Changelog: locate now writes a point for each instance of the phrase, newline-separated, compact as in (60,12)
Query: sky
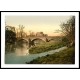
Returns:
(46,24)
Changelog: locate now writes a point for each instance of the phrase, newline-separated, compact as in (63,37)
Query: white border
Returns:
(3,14)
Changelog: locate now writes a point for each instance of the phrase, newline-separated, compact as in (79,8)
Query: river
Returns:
(21,55)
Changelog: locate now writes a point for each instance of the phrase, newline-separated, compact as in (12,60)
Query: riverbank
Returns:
(13,58)
(66,56)
(46,47)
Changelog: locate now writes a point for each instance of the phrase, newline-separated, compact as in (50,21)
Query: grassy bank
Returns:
(46,47)
(66,56)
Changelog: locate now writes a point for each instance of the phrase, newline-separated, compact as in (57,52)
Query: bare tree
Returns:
(21,27)
(68,29)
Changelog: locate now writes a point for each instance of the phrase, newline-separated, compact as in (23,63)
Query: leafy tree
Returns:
(10,36)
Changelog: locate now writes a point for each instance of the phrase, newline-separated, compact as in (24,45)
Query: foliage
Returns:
(10,36)
(68,29)
(46,47)
(66,56)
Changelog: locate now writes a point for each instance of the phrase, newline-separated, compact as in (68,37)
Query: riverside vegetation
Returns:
(46,47)
(66,56)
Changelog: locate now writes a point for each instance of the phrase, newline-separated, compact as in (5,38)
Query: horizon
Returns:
(46,24)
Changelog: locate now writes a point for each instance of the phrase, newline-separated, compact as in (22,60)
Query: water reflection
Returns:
(9,48)
(20,49)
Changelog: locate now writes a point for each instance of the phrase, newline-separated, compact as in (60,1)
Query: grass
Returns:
(66,56)
(46,47)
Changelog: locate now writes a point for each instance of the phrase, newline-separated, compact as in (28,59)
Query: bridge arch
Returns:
(24,40)
(33,42)
(51,40)
(38,39)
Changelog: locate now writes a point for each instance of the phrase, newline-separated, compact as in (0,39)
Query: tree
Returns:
(68,29)
(10,36)
(32,34)
(21,27)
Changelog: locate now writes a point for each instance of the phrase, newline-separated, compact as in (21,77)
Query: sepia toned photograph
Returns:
(39,39)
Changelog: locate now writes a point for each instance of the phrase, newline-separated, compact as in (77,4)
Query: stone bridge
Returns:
(31,40)
(27,39)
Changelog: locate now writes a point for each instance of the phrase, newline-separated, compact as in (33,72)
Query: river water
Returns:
(21,54)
